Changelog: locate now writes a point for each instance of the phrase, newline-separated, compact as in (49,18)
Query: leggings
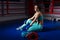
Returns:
(35,27)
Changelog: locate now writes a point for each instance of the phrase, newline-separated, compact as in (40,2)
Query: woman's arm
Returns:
(32,18)
(36,16)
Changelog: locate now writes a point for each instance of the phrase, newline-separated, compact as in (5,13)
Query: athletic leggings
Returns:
(35,27)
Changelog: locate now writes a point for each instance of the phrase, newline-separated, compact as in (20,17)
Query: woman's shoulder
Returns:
(40,13)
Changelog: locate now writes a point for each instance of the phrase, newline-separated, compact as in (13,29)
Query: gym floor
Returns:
(8,30)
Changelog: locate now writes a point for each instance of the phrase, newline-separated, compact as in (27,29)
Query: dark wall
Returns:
(10,0)
(30,8)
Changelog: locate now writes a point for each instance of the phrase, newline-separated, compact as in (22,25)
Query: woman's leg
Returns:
(35,27)
(24,33)
(24,25)
(31,29)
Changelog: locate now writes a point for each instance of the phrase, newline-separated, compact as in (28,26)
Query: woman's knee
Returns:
(23,34)
(29,21)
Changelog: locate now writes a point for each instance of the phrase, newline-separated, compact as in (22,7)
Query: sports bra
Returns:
(40,18)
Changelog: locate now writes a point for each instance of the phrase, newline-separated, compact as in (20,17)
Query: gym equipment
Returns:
(32,36)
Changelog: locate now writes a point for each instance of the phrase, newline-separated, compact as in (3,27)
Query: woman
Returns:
(35,22)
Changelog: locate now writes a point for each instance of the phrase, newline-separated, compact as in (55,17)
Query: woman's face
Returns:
(35,8)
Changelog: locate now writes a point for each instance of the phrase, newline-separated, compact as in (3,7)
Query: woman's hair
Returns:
(38,6)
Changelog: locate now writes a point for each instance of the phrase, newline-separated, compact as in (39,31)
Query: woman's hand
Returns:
(31,24)
(29,18)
